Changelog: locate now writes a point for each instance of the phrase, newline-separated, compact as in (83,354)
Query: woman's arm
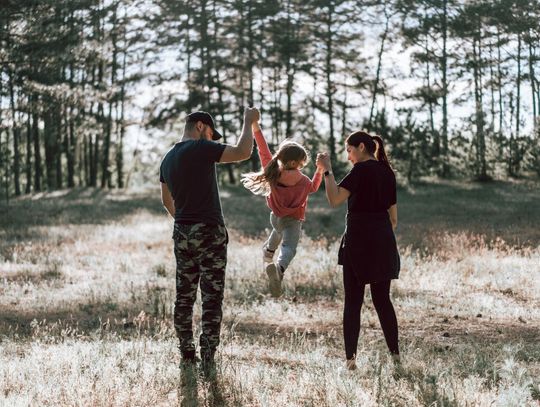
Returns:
(335,194)
(392,212)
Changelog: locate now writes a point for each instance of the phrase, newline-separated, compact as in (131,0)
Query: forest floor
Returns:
(87,289)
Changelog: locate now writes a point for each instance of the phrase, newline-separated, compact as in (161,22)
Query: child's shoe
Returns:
(275,276)
(268,255)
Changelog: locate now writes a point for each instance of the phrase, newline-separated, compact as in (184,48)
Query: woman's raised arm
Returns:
(335,194)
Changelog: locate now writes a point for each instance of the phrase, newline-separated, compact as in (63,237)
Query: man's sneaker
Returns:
(275,276)
(208,364)
(268,255)
(187,358)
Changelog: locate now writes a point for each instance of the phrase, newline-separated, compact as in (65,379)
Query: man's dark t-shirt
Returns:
(189,170)
(372,185)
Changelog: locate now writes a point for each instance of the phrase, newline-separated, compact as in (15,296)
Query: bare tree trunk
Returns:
(492,87)
(16,134)
(28,166)
(379,67)
(37,151)
(500,76)
(436,144)
(518,85)
(290,73)
(329,82)
(70,149)
(480,137)
(57,125)
(445,170)
(87,159)
(121,124)
(532,79)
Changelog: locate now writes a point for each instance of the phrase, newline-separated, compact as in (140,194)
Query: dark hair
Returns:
(374,145)
(261,182)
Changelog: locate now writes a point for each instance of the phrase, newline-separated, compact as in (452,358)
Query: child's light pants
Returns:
(286,231)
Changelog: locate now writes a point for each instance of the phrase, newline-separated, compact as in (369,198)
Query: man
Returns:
(189,192)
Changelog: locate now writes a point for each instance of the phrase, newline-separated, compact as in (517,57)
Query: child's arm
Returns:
(317,179)
(264,152)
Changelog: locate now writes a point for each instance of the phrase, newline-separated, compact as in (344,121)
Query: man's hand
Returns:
(243,148)
(251,115)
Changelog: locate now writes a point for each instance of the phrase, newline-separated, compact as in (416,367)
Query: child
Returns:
(286,189)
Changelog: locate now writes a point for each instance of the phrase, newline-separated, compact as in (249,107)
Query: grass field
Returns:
(87,288)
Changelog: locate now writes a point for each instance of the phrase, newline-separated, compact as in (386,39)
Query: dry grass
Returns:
(86,302)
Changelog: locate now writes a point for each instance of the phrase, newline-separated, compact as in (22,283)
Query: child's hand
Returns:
(255,126)
(323,162)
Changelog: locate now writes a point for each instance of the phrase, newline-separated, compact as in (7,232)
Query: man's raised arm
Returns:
(242,150)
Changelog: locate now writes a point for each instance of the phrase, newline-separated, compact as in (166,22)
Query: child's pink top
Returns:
(290,196)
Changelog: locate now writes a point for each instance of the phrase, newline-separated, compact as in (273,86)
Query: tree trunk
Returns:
(499,77)
(532,79)
(518,86)
(49,141)
(379,67)
(221,104)
(28,166)
(70,149)
(445,170)
(436,144)
(58,145)
(492,87)
(480,137)
(329,82)
(16,135)
(290,73)
(121,125)
(37,151)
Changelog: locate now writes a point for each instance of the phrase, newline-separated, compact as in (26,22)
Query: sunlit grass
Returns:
(86,308)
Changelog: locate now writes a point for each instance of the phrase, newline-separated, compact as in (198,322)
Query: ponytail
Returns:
(260,182)
(380,154)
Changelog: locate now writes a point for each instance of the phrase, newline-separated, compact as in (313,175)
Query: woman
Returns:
(368,250)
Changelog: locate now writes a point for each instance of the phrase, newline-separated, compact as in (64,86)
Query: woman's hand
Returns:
(334,193)
(323,162)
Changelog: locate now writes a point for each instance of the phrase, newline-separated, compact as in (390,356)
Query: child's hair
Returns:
(260,183)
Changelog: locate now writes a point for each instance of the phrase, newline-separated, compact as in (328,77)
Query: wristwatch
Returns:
(327,173)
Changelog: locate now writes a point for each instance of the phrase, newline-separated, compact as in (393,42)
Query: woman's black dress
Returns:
(368,246)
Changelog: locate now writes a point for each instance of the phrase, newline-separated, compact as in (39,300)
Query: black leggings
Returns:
(354,298)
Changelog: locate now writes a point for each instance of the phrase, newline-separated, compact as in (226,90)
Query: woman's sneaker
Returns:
(350,364)
(268,255)
(275,276)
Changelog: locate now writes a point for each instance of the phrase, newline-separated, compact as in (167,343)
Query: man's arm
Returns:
(167,199)
(242,150)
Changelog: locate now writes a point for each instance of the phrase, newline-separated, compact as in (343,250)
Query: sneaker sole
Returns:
(273,280)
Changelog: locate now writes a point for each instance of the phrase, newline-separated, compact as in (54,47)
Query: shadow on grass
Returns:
(508,210)
(76,206)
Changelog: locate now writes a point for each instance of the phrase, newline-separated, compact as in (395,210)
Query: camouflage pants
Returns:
(201,255)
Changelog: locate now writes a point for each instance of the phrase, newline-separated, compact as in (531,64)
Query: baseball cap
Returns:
(205,118)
